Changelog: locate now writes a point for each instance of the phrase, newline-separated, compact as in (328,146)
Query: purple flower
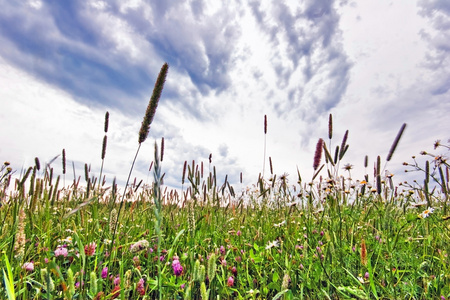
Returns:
(182,286)
(230,281)
(28,266)
(140,287)
(105,272)
(238,233)
(116,280)
(89,250)
(366,275)
(177,268)
(222,250)
(61,251)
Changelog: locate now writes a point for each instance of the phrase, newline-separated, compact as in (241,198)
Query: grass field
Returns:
(325,237)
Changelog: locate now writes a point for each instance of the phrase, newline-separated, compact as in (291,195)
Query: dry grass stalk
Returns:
(363,253)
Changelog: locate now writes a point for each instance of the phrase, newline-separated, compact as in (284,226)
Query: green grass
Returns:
(274,240)
(327,238)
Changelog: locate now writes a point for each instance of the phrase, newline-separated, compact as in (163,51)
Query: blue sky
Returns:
(373,65)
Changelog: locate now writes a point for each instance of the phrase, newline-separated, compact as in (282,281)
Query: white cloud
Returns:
(229,66)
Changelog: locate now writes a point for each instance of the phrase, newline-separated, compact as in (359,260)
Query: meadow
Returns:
(325,237)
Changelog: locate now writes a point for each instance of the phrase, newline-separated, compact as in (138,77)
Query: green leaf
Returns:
(372,283)
(9,280)
(275,277)
(278,296)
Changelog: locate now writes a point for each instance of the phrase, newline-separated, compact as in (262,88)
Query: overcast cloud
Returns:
(373,65)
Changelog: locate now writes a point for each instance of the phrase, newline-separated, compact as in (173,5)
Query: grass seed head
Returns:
(318,154)
(153,103)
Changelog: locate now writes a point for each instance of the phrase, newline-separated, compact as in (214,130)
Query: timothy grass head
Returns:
(153,103)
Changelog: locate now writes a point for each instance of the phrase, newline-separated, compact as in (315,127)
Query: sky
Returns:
(373,65)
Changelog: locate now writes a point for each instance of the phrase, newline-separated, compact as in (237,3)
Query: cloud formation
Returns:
(231,63)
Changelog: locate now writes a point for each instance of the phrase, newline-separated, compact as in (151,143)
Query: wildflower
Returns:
(366,275)
(28,266)
(105,272)
(272,244)
(230,281)
(89,250)
(222,250)
(67,240)
(116,280)
(426,213)
(234,271)
(437,143)
(115,292)
(177,267)
(138,246)
(348,167)
(136,261)
(61,251)
(238,233)
(280,224)
(140,287)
